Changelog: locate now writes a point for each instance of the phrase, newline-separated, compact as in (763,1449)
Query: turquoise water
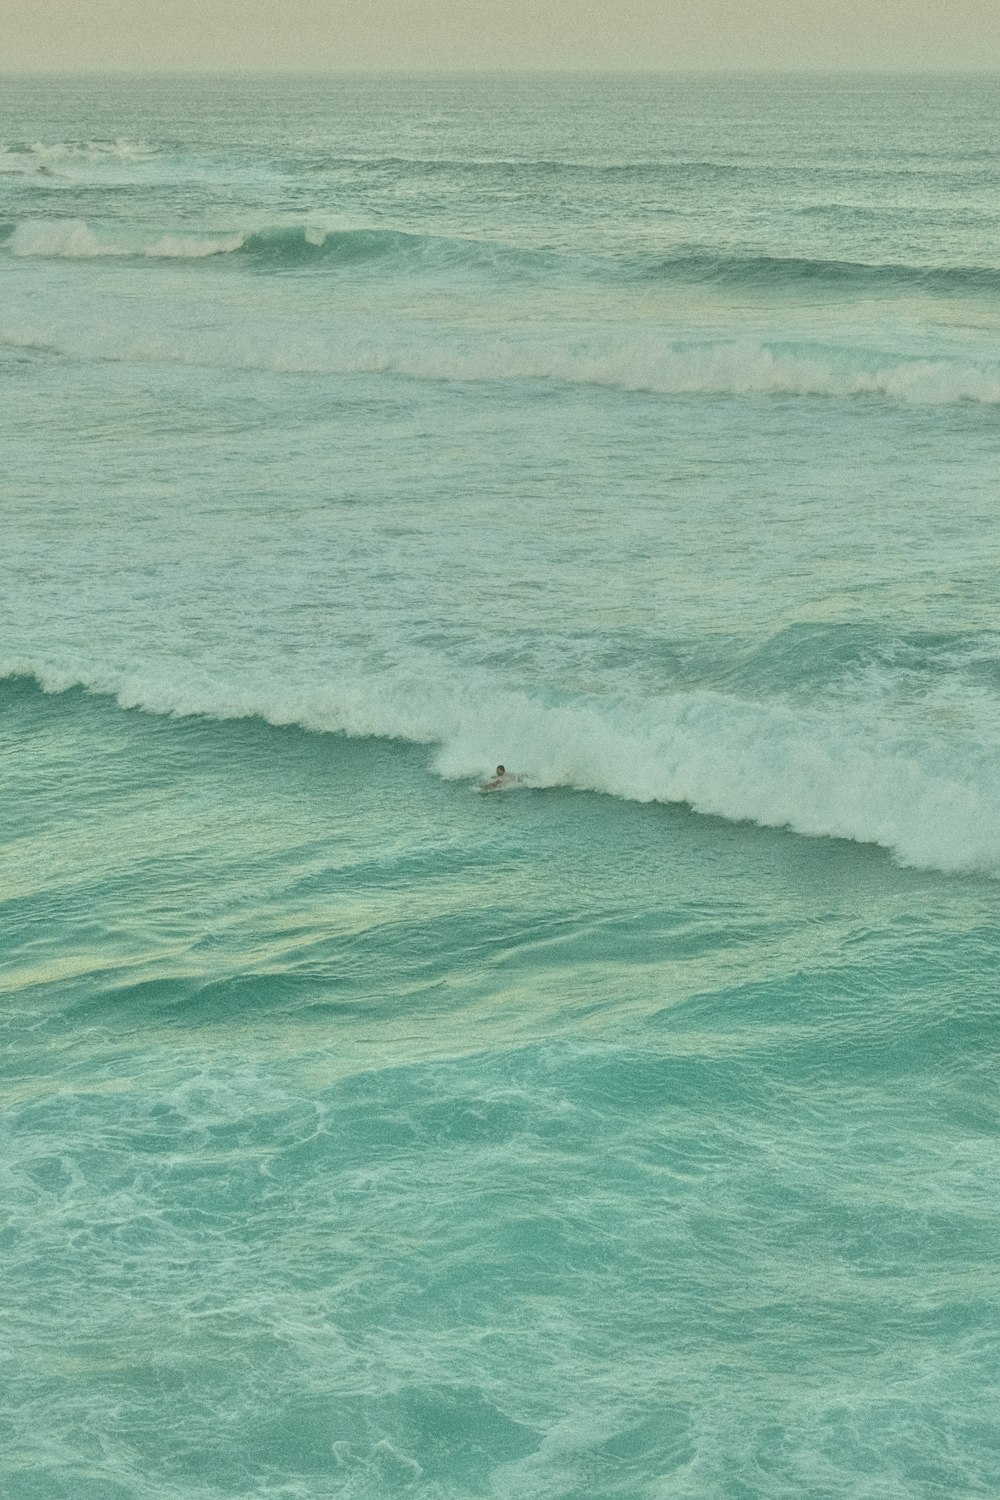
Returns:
(629,1134)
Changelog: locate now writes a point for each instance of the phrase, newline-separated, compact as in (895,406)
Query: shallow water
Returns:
(629,1134)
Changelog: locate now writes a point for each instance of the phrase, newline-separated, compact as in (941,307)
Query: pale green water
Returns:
(633,1135)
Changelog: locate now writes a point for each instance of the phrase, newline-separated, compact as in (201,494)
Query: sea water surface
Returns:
(628,1136)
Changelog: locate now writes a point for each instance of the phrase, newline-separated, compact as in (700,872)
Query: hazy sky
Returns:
(655,34)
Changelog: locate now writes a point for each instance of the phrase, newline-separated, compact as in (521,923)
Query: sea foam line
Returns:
(644,363)
(831,773)
(73,239)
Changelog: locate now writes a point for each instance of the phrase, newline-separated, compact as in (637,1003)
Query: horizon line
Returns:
(537,70)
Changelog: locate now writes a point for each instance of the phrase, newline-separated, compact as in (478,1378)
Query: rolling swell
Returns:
(292,247)
(831,771)
(796,272)
(297,246)
(287,247)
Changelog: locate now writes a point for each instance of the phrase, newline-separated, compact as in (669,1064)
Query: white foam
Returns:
(74,239)
(643,358)
(65,237)
(832,772)
(651,363)
(93,151)
(725,369)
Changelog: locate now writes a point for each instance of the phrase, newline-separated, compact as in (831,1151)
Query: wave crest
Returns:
(277,247)
(756,271)
(73,239)
(291,246)
(644,363)
(835,773)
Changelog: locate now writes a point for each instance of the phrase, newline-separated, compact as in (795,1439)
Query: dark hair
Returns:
(500,771)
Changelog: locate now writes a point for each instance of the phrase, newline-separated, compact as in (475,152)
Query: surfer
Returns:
(501,778)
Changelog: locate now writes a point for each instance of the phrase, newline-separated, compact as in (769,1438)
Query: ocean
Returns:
(627,1134)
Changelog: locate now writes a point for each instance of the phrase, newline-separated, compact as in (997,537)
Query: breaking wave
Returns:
(935,804)
(296,246)
(642,363)
(284,247)
(72,239)
(41,156)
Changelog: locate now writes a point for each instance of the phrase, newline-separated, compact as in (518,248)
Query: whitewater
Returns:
(632,1134)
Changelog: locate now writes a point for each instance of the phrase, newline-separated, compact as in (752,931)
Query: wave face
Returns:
(393,251)
(286,247)
(629,1131)
(800,272)
(841,769)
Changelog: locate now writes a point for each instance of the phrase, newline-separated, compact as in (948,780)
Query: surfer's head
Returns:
(501,771)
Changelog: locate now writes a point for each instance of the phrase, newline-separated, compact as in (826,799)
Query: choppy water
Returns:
(630,1135)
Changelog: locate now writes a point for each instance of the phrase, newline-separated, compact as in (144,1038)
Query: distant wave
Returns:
(519,168)
(820,772)
(283,247)
(641,363)
(39,156)
(763,271)
(311,245)
(92,149)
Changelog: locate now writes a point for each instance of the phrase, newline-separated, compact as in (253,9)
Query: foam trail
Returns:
(652,365)
(74,240)
(836,773)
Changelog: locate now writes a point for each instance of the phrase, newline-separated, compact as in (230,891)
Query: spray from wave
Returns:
(822,773)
